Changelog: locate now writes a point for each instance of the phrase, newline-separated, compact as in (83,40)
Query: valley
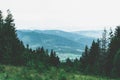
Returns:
(69,44)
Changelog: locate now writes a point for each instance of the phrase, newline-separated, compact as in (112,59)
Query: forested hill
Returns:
(61,41)
(101,58)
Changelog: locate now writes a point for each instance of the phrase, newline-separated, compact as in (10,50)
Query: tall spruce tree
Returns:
(12,47)
(116,65)
(84,59)
(103,50)
(54,60)
(93,57)
(114,46)
(1,26)
(104,41)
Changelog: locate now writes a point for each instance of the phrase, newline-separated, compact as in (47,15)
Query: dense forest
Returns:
(102,58)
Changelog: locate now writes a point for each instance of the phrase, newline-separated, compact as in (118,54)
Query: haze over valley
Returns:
(66,44)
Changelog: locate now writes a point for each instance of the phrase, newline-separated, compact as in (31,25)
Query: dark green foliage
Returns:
(98,59)
(84,59)
(69,65)
(69,62)
(90,58)
(103,59)
(1,26)
(1,68)
(11,48)
(62,75)
(54,60)
(76,65)
(104,41)
(114,46)
(13,52)
(116,65)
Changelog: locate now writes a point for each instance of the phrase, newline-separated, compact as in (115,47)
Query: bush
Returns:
(2,68)
(40,67)
(62,75)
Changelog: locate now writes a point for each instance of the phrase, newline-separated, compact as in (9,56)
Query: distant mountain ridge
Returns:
(79,38)
(93,34)
(60,41)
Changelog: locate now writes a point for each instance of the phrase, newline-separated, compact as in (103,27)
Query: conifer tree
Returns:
(116,65)
(84,59)
(69,62)
(1,39)
(104,42)
(11,47)
(114,46)
(54,60)
(93,56)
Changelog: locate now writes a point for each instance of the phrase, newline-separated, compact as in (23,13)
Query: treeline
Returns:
(101,58)
(13,51)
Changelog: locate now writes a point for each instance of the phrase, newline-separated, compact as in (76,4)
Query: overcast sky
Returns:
(69,15)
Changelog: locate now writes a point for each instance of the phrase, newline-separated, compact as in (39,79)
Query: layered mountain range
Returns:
(60,41)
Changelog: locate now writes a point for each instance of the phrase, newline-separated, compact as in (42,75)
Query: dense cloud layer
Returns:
(63,14)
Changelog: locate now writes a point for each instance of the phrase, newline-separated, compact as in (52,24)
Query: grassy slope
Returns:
(23,73)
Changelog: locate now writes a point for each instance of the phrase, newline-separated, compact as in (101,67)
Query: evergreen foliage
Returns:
(11,47)
(116,65)
(103,59)
(113,47)
(12,50)
(98,59)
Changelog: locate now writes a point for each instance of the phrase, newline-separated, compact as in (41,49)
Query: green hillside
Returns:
(19,62)
(25,73)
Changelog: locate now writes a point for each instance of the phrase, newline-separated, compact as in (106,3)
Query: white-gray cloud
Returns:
(63,14)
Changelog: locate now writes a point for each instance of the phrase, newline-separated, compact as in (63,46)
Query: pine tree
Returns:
(103,50)
(104,41)
(84,59)
(93,56)
(114,46)
(110,34)
(116,65)
(11,47)
(54,60)
(1,26)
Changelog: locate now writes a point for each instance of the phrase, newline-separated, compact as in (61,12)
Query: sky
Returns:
(68,15)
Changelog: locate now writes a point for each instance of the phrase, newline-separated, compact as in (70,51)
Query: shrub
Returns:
(62,75)
(2,68)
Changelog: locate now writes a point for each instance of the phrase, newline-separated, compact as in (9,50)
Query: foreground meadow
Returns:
(24,73)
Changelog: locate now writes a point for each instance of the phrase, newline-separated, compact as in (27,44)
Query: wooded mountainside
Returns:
(102,58)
